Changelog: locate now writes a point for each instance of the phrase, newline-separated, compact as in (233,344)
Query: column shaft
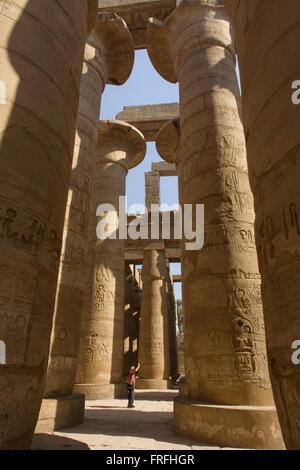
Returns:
(154,354)
(109,57)
(72,281)
(41,62)
(225,354)
(224,331)
(101,354)
(172,326)
(100,365)
(267,40)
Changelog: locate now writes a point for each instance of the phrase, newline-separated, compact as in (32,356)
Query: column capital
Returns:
(114,55)
(192,25)
(168,141)
(120,143)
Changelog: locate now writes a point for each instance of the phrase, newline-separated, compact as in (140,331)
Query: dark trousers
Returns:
(130,388)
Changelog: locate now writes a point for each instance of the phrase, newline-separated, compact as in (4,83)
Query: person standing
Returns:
(131,385)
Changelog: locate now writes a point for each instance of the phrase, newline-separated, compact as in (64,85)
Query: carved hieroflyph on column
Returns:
(154,354)
(100,365)
(109,57)
(41,62)
(152,189)
(225,354)
(267,39)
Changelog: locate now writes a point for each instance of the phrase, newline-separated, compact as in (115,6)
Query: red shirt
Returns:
(131,377)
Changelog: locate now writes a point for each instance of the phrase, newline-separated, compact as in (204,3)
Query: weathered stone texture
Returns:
(132,312)
(120,147)
(225,354)
(109,57)
(154,354)
(267,40)
(41,62)
(136,14)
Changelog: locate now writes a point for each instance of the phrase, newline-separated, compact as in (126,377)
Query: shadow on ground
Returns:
(155,396)
(51,441)
(109,424)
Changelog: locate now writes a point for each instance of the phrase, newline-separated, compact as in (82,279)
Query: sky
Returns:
(144,86)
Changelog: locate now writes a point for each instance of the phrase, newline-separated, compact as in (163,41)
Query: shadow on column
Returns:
(42,90)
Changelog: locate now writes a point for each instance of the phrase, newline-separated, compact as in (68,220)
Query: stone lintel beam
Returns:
(150,118)
(136,14)
(112,38)
(176,278)
(164,168)
(168,141)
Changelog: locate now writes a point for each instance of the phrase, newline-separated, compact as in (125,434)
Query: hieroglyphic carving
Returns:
(79,210)
(244,346)
(152,189)
(99,297)
(18,288)
(97,348)
(29,234)
(74,258)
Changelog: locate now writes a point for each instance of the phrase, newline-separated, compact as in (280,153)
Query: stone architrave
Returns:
(267,36)
(225,357)
(41,63)
(100,363)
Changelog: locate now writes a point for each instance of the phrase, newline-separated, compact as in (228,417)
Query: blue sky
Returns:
(145,86)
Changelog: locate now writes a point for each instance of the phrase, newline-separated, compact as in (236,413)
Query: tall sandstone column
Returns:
(229,398)
(41,62)
(100,363)
(154,354)
(172,325)
(168,147)
(131,317)
(109,57)
(267,40)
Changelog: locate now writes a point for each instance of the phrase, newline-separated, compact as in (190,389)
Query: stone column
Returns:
(168,147)
(267,40)
(100,364)
(154,332)
(131,318)
(229,398)
(109,57)
(152,189)
(41,61)
(172,325)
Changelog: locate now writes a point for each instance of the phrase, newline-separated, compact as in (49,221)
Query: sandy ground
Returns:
(110,425)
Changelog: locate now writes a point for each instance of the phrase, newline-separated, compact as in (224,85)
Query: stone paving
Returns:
(110,425)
